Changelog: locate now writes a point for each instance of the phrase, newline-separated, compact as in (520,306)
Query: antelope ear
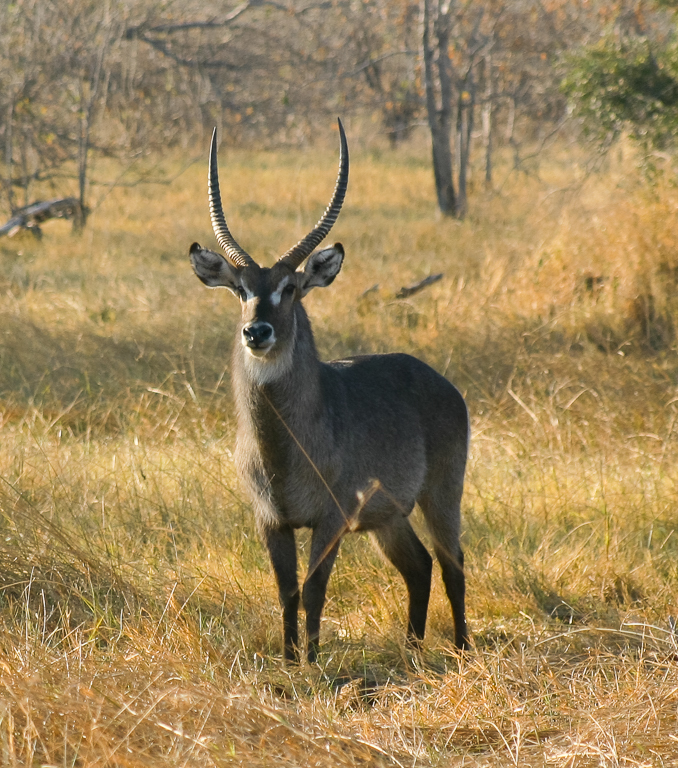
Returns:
(321,268)
(213,269)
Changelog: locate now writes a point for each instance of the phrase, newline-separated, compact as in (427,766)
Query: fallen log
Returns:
(31,216)
(408,290)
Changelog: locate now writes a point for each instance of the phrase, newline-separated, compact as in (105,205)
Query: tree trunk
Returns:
(510,120)
(93,95)
(486,118)
(9,156)
(439,102)
(464,131)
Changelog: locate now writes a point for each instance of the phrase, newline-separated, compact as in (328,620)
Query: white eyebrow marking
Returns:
(276,296)
(248,293)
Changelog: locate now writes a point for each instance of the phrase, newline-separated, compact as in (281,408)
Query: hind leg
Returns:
(442,512)
(455,586)
(402,547)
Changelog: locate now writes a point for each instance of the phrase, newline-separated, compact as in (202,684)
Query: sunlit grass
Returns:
(139,616)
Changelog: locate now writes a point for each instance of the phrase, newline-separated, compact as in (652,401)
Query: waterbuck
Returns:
(344,446)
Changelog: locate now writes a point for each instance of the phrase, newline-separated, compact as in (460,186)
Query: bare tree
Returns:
(438,83)
(140,76)
(57,90)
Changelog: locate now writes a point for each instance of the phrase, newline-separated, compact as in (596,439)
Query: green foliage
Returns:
(619,85)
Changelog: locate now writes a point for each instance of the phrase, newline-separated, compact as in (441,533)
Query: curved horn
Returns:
(234,253)
(302,250)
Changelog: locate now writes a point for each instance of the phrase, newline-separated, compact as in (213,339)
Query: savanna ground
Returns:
(138,613)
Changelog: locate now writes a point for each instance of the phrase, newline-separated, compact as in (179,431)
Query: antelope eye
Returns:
(241,294)
(288,290)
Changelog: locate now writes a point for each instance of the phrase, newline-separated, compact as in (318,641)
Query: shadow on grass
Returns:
(83,378)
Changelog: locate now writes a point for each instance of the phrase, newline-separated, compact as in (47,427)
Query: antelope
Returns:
(349,445)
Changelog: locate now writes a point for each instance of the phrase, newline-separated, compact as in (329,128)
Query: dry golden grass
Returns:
(138,615)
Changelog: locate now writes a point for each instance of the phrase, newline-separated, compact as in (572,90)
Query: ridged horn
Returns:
(234,253)
(303,249)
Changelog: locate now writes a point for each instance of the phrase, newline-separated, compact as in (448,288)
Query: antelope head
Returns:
(268,295)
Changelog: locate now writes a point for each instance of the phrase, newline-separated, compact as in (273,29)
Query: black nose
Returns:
(257,334)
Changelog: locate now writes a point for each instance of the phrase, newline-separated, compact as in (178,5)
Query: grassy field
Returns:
(138,614)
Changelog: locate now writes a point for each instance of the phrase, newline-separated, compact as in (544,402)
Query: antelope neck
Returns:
(292,377)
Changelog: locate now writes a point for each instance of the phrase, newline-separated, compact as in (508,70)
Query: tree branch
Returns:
(140,30)
(372,62)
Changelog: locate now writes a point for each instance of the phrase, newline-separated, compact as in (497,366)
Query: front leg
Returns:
(282,550)
(324,548)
